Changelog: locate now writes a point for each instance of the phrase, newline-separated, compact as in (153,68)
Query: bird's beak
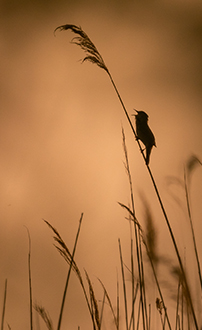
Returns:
(133,113)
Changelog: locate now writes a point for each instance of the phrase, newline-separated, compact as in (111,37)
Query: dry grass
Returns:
(45,316)
(138,314)
(85,43)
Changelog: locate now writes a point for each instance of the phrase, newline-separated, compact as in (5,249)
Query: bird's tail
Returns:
(148,152)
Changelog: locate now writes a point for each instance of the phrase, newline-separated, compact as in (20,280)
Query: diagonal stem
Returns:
(85,43)
(68,275)
(161,204)
(192,228)
(4,305)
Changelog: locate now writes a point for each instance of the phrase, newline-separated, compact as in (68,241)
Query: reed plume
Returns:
(86,44)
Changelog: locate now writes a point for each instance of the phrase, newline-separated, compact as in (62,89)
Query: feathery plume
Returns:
(86,44)
(45,316)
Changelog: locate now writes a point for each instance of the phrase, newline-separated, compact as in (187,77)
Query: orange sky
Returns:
(61,143)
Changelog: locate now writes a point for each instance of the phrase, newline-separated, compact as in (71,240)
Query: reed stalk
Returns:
(136,229)
(192,227)
(4,305)
(68,275)
(93,56)
(124,286)
(30,282)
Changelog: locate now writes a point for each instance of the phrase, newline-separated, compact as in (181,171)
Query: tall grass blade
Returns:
(94,308)
(132,318)
(137,227)
(116,320)
(117,304)
(30,281)
(124,286)
(158,286)
(65,253)
(149,316)
(182,309)
(190,166)
(4,305)
(164,321)
(143,282)
(138,315)
(102,309)
(177,308)
(133,284)
(68,275)
(159,306)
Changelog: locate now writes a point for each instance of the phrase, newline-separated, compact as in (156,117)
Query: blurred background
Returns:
(61,143)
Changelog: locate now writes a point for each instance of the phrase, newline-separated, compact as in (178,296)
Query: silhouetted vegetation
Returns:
(137,311)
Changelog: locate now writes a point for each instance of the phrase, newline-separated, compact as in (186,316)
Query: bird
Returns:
(144,133)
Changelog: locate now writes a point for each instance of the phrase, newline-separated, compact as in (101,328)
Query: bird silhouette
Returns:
(144,133)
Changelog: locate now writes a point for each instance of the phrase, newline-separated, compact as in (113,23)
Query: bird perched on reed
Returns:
(144,133)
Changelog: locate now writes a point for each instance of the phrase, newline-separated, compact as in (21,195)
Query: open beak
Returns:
(134,113)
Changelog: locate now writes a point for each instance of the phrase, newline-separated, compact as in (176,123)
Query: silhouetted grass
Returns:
(64,251)
(149,242)
(188,170)
(30,281)
(137,310)
(4,306)
(115,315)
(93,56)
(45,316)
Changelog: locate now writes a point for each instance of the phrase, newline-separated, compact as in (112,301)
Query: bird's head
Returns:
(141,116)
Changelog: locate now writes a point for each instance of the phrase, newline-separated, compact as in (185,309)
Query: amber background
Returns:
(61,144)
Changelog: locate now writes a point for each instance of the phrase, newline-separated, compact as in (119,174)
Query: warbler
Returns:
(144,133)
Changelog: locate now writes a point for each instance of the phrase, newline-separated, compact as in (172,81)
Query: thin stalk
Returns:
(164,321)
(158,286)
(133,285)
(102,310)
(116,319)
(30,281)
(161,318)
(68,275)
(124,285)
(149,316)
(117,303)
(188,319)
(65,253)
(4,305)
(94,305)
(132,318)
(143,281)
(182,309)
(140,272)
(138,315)
(178,299)
(161,204)
(179,321)
(192,228)
(139,261)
